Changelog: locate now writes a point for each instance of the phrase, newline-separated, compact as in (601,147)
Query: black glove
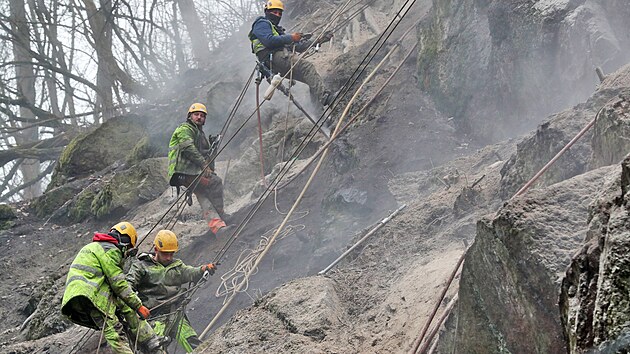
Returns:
(302,45)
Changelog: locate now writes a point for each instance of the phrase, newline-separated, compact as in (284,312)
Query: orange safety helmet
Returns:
(166,241)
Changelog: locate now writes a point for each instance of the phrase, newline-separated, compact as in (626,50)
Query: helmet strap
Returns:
(124,241)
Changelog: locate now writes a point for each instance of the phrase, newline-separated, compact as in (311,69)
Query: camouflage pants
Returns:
(141,330)
(304,72)
(178,327)
(209,191)
(112,331)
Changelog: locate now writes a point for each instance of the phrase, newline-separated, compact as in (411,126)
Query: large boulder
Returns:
(109,170)
(595,297)
(539,147)
(96,150)
(499,66)
(611,131)
(511,275)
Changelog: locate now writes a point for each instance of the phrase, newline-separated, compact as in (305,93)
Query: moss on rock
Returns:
(98,149)
(52,200)
(102,203)
(7,214)
(82,207)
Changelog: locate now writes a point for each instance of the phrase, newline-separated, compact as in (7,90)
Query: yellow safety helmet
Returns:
(274,4)
(166,241)
(126,229)
(197,107)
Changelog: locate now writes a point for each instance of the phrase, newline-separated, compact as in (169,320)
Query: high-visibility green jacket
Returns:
(156,283)
(94,280)
(188,150)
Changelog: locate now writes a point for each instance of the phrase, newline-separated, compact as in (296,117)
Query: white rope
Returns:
(246,260)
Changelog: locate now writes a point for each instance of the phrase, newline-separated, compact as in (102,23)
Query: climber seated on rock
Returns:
(188,158)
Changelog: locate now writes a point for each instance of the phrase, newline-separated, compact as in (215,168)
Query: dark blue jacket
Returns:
(261,29)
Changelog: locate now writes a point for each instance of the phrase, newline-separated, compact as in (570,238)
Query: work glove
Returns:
(144,312)
(209,268)
(208,172)
(295,37)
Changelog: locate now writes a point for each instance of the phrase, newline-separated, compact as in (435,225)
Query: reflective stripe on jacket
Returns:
(187,150)
(265,35)
(94,278)
(156,283)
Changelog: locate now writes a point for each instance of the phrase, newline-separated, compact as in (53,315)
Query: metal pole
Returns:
(555,158)
(286,92)
(380,224)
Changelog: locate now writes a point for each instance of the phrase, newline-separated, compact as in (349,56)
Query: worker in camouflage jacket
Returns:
(159,279)
(272,47)
(188,157)
(97,294)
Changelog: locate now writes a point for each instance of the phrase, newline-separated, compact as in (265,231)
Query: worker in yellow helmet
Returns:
(188,157)
(158,277)
(96,290)
(269,41)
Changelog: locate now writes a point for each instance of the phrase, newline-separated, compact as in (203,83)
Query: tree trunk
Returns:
(25,79)
(102,36)
(198,38)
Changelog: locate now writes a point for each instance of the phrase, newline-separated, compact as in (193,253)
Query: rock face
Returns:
(511,275)
(595,297)
(602,145)
(611,131)
(294,312)
(517,61)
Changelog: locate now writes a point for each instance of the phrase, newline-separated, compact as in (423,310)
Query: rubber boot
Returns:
(156,344)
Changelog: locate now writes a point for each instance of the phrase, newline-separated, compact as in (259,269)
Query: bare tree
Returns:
(66,65)
(198,38)
(25,79)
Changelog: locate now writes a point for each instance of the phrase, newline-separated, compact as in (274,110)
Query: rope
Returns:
(260,139)
(356,115)
(81,342)
(100,339)
(246,260)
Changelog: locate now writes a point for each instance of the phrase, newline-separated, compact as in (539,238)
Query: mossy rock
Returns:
(6,212)
(102,203)
(81,208)
(130,188)
(54,199)
(96,150)
(143,150)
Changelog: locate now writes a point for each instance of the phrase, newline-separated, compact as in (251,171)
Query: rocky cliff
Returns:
(517,61)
